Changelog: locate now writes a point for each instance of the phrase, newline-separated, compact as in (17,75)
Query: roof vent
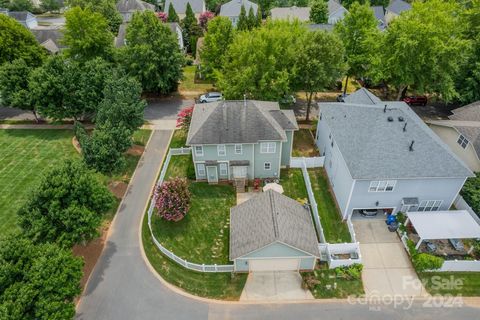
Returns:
(401,119)
(405,127)
(411,145)
(385,109)
(390,119)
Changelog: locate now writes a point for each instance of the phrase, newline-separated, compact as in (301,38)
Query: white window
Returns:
(267,147)
(238,149)
(382,186)
(430,205)
(462,141)
(201,169)
(199,151)
(267,166)
(221,150)
(223,169)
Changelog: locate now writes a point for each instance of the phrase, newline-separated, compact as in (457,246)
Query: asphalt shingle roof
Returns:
(50,38)
(239,122)
(134,5)
(469,113)
(300,13)
(362,96)
(398,6)
(232,8)
(180,6)
(267,218)
(375,148)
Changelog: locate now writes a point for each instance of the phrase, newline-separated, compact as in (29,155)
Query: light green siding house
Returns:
(234,140)
(272,232)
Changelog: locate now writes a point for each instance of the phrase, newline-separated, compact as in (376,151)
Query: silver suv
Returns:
(210,97)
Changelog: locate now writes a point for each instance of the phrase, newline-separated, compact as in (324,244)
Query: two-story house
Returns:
(233,8)
(381,155)
(240,140)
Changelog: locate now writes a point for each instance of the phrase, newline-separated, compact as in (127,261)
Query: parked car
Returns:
(416,100)
(368,212)
(210,97)
(341,97)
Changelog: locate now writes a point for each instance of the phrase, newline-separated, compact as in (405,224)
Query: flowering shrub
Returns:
(184,117)
(172,199)
(204,18)
(162,16)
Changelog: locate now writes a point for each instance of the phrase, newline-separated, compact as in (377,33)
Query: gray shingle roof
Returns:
(267,218)
(470,113)
(334,6)
(320,26)
(239,122)
(49,35)
(180,6)
(362,96)
(20,15)
(379,13)
(232,8)
(300,13)
(398,6)
(134,5)
(375,148)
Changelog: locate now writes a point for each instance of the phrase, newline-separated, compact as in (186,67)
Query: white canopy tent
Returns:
(453,224)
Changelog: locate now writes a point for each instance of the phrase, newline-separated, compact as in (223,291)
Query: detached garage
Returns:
(272,232)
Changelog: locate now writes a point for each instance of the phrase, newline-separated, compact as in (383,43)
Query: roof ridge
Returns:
(273,208)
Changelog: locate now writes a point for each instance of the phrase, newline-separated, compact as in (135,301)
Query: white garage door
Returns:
(274,264)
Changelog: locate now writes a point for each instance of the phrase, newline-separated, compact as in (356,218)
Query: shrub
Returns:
(173,199)
(184,118)
(471,193)
(162,16)
(204,18)
(425,261)
(191,170)
(352,272)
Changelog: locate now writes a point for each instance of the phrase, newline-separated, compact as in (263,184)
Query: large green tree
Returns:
(217,39)
(242,23)
(67,206)
(360,36)
(320,62)
(152,54)
(191,30)
(17,42)
(20,5)
(87,35)
(172,14)
(63,88)
(319,11)
(107,8)
(260,64)
(423,49)
(37,281)
(14,86)
(51,5)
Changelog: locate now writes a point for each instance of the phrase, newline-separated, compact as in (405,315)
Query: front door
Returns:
(239,172)
(212,174)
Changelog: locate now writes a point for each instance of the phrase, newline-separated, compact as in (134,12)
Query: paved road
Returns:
(123,287)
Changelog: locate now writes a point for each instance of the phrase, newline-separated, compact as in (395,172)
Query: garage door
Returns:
(274,264)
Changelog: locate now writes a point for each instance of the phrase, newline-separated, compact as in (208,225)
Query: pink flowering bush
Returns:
(184,117)
(162,16)
(172,199)
(204,18)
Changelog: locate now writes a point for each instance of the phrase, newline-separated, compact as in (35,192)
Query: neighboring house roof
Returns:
(398,6)
(267,218)
(248,121)
(233,8)
(362,96)
(300,13)
(180,6)
(134,5)
(379,13)
(470,112)
(375,148)
(320,26)
(334,6)
(20,15)
(50,38)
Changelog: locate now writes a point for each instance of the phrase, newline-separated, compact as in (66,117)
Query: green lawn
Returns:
(141,136)
(179,138)
(444,283)
(293,184)
(24,156)
(334,229)
(224,286)
(332,286)
(188,82)
(304,144)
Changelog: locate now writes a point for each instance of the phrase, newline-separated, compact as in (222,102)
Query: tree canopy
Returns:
(242,23)
(152,54)
(38,281)
(319,11)
(191,30)
(107,8)
(67,207)
(17,42)
(172,14)
(87,35)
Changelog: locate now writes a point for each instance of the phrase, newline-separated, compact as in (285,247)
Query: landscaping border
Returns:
(183,262)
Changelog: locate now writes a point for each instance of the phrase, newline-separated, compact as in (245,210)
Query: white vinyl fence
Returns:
(165,251)
(330,252)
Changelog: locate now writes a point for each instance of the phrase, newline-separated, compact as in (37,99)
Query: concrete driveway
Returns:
(274,286)
(387,268)
(163,113)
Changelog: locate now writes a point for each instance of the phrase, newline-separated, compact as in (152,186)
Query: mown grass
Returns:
(141,136)
(188,82)
(304,144)
(293,184)
(466,284)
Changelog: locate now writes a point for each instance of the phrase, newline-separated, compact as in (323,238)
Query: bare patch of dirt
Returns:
(118,188)
(136,150)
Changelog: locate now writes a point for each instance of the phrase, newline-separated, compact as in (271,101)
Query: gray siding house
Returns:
(128,7)
(232,9)
(240,140)
(381,155)
(272,232)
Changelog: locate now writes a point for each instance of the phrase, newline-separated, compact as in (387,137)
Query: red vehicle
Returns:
(416,100)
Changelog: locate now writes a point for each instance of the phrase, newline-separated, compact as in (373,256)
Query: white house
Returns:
(381,155)
(232,9)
